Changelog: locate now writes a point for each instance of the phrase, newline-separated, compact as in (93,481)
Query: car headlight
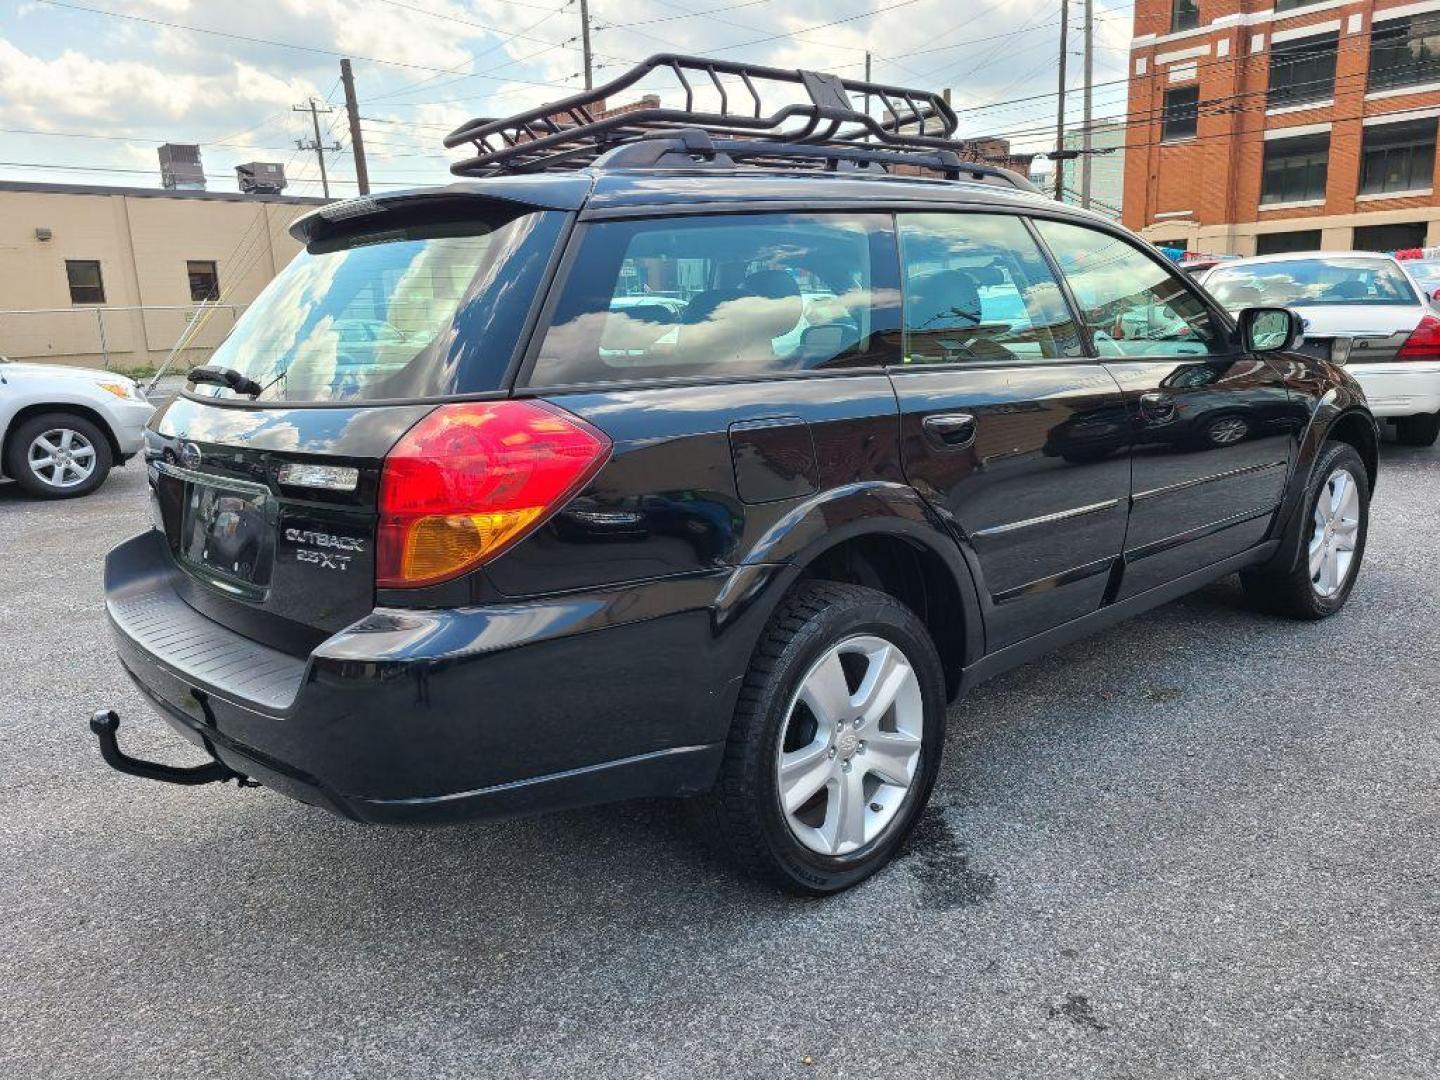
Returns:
(127,390)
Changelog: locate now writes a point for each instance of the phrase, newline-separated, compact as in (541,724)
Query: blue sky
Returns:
(89,88)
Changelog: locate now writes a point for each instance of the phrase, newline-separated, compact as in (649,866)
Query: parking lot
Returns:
(1201,844)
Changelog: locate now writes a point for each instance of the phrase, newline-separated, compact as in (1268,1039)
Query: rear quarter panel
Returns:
(668,503)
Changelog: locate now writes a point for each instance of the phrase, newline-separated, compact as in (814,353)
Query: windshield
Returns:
(419,312)
(1310,283)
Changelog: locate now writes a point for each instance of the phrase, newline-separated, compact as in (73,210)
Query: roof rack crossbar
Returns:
(918,127)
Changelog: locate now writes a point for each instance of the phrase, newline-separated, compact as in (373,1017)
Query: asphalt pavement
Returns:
(1201,844)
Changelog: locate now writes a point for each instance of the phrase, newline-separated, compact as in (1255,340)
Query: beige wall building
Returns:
(112,277)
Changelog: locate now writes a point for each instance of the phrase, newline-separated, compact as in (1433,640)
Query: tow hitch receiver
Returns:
(106,723)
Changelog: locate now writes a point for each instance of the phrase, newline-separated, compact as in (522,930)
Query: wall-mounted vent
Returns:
(180,168)
(261,177)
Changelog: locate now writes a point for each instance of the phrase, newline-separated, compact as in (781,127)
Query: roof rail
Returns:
(826,132)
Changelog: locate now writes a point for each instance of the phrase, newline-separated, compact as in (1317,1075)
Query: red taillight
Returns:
(471,479)
(1423,342)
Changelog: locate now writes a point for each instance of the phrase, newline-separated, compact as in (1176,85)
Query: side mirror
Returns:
(1270,329)
(1433,296)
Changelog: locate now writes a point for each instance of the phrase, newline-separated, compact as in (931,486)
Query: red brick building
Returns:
(1260,127)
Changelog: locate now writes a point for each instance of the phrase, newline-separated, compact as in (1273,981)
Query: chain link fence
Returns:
(117,337)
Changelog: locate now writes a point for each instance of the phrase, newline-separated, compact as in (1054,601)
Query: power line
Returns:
(128,138)
(1205,107)
(458,71)
(287,44)
(817,26)
(209,176)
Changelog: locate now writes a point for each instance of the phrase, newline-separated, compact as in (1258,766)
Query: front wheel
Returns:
(58,456)
(836,739)
(1331,542)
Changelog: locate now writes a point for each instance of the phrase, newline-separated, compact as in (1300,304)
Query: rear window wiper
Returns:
(224,376)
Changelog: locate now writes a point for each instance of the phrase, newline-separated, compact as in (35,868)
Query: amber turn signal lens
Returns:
(439,546)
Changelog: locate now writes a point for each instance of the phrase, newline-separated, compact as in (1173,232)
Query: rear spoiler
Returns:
(397,209)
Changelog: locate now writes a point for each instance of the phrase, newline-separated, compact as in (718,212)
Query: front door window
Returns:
(1131,304)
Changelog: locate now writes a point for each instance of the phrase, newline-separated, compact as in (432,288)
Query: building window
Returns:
(1398,157)
(1405,52)
(1295,169)
(1289,5)
(1302,71)
(204,280)
(86,285)
(1282,243)
(1184,15)
(1410,234)
(1182,107)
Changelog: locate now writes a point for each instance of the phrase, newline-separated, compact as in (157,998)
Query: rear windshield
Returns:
(1310,283)
(724,295)
(1427,273)
(422,312)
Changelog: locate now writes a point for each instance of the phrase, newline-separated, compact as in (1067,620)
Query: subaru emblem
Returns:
(190,455)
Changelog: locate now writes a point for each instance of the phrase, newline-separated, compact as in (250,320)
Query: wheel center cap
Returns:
(846,744)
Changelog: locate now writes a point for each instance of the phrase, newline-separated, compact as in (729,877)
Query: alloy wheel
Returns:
(61,458)
(1336,528)
(850,746)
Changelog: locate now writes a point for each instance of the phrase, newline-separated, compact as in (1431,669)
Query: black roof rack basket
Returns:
(827,131)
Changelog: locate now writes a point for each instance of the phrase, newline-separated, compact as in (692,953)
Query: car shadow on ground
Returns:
(644,863)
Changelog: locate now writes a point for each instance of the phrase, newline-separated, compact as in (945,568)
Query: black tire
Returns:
(1421,430)
(1292,592)
(17,465)
(744,809)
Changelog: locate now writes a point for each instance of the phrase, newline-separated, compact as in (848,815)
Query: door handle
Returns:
(1157,406)
(953,431)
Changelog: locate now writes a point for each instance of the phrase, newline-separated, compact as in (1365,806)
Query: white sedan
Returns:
(1359,309)
(62,428)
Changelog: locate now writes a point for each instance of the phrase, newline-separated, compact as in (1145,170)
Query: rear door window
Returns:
(720,295)
(977,288)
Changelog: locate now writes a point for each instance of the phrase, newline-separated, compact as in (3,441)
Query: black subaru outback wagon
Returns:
(703,453)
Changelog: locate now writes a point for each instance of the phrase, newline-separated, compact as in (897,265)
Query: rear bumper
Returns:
(1403,388)
(414,717)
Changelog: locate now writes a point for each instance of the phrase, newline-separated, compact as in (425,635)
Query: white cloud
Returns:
(66,70)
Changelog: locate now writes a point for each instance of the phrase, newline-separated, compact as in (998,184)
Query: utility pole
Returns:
(867,92)
(1060,109)
(313,108)
(585,43)
(357,142)
(1086,144)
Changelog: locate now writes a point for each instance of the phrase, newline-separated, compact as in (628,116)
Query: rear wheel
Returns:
(58,456)
(1331,542)
(836,739)
(1421,430)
